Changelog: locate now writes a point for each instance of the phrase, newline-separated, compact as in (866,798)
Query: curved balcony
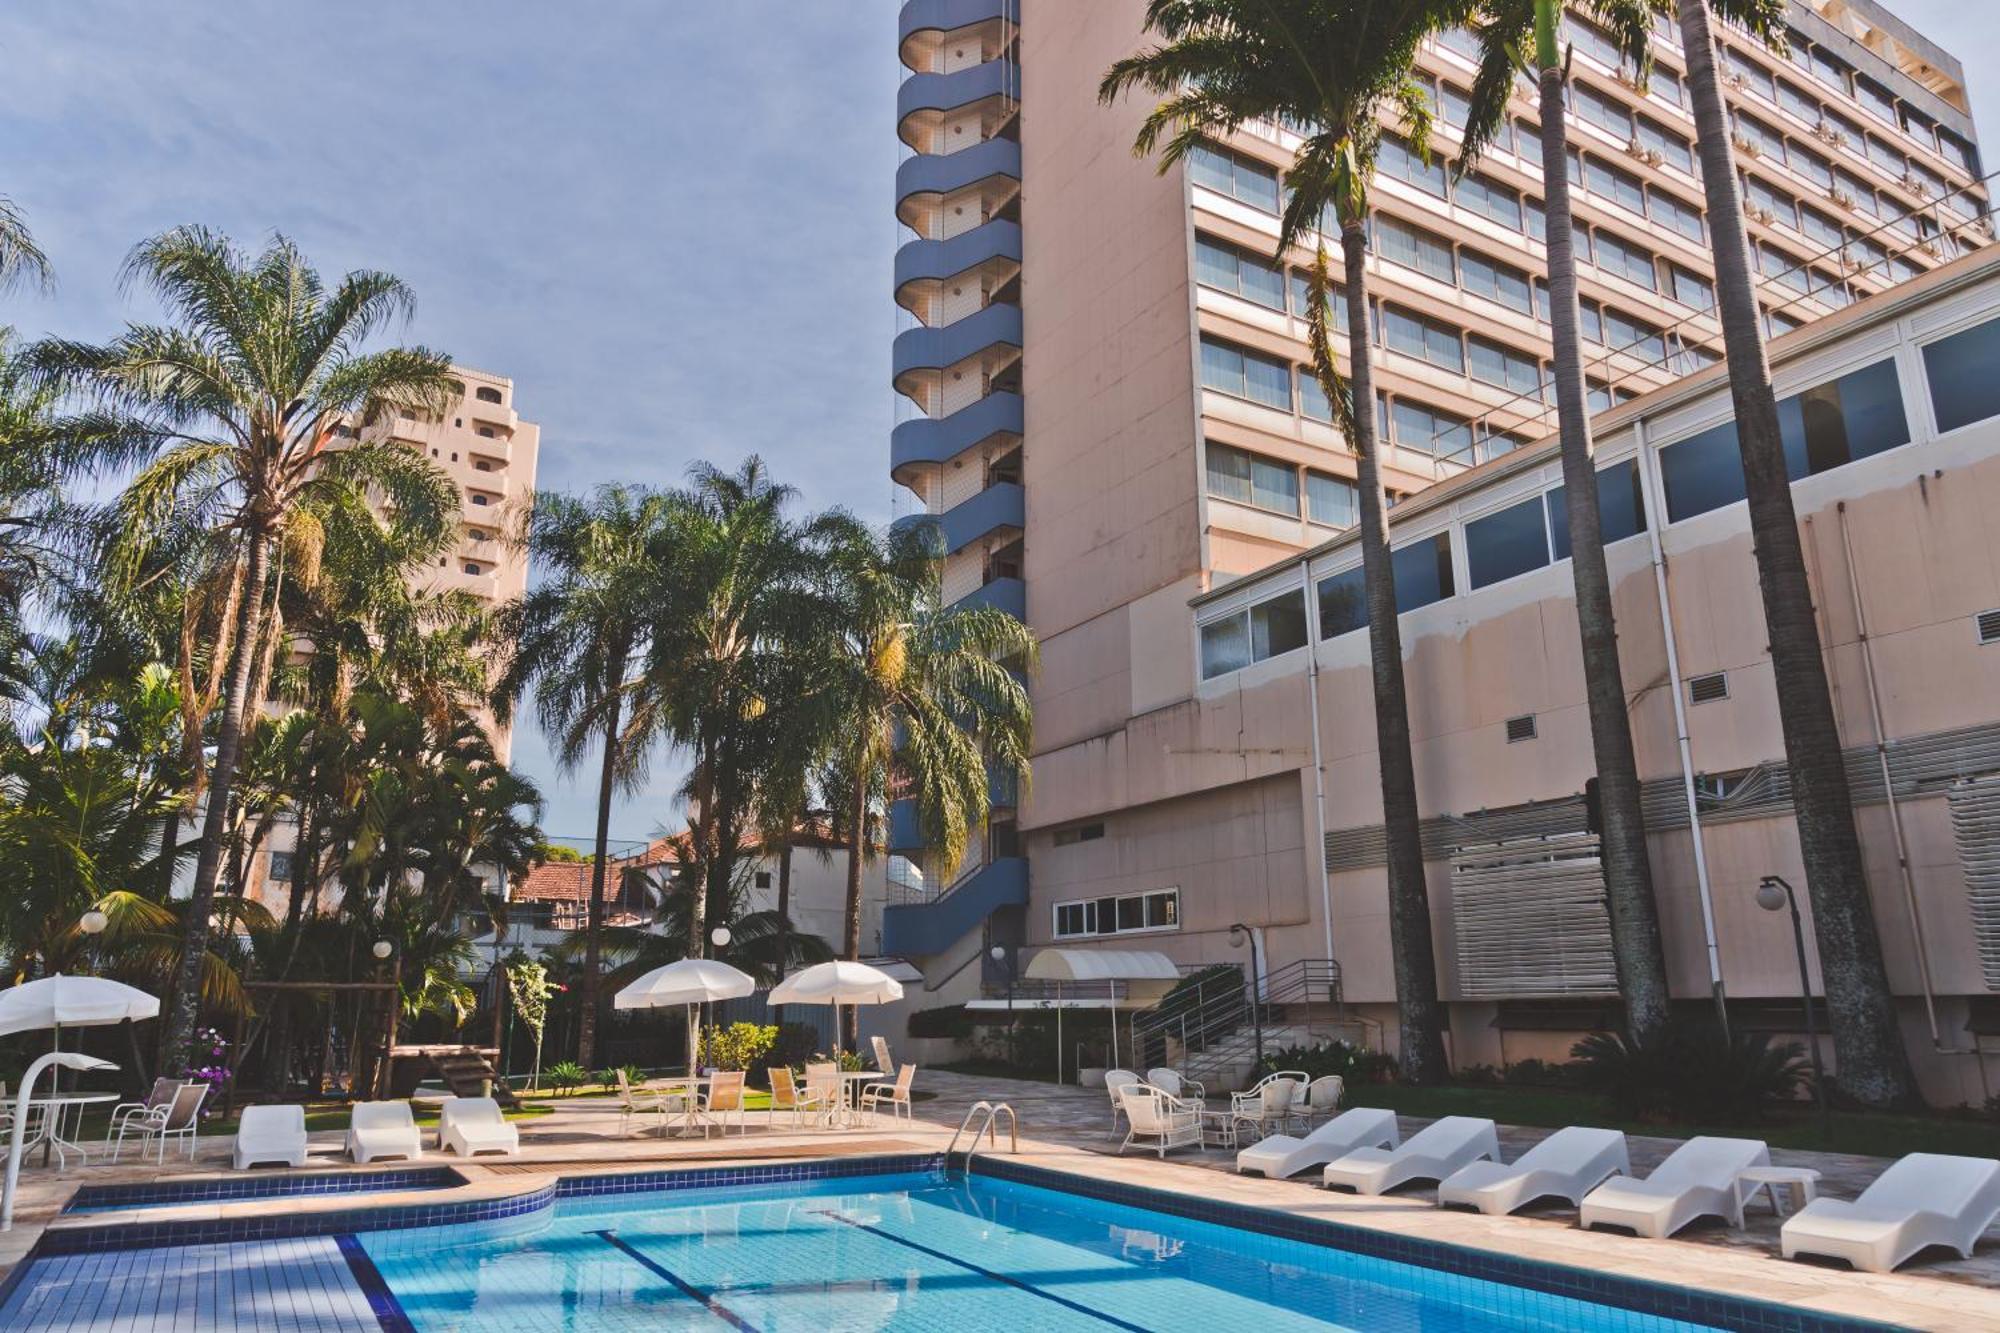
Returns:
(922,929)
(960,88)
(1009,595)
(943,173)
(915,350)
(928,527)
(942,16)
(1001,505)
(935,261)
(928,440)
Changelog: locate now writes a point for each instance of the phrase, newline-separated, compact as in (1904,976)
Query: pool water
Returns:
(926,1251)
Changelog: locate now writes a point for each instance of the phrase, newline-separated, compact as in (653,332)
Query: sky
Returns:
(669,222)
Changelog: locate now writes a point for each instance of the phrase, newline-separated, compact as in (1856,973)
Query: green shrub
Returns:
(1691,1073)
(738,1046)
(794,1046)
(566,1074)
(1354,1064)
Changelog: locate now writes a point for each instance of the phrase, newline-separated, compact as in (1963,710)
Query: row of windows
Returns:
(1241,477)
(1873,97)
(1158,910)
(1854,416)
(1773,146)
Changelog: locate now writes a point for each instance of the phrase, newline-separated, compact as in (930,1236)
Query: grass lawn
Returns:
(1844,1132)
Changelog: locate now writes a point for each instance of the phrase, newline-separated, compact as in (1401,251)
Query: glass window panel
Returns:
(1221,367)
(1214,265)
(1673,148)
(1267,381)
(1274,485)
(1628,261)
(1398,158)
(1513,541)
(1301,285)
(1682,217)
(1278,626)
(1225,646)
(1820,228)
(1491,363)
(1833,424)
(1876,100)
(1228,473)
(1702,472)
(1798,102)
(1423,572)
(1621,512)
(1131,914)
(1887,156)
(1752,73)
(1333,501)
(1413,247)
(1343,603)
(1597,109)
(1812,166)
(1496,282)
(1964,388)
(1492,201)
(1620,187)
(1691,289)
(1312,398)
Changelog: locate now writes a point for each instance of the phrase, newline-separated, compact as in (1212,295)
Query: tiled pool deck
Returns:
(285,1280)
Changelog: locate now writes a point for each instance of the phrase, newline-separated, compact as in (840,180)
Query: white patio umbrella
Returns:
(692,982)
(839,982)
(61,1001)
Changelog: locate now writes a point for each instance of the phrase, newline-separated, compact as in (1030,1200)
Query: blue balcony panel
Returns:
(936,261)
(950,15)
(929,527)
(941,173)
(1009,595)
(1001,505)
(904,836)
(961,87)
(937,349)
(917,930)
(941,439)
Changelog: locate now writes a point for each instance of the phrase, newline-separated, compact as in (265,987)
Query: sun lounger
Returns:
(1281,1155)
(1567,1165)
(382,1129)
(267,1134)
(1697,1180)
(1432,1153)
(1923,1200)
(471,1125)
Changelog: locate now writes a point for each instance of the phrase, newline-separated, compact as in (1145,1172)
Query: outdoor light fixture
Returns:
(1238,933)
(94,922)
(720,937)
(382,949)
(1775,895)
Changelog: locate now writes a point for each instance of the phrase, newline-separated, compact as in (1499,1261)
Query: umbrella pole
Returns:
(1058,1034)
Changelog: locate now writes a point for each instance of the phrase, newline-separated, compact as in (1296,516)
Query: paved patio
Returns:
(1069,1129)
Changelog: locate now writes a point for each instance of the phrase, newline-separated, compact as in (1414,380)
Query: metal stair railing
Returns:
(1215,1020)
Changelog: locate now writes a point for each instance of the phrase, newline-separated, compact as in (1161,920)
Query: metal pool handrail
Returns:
(992,1111)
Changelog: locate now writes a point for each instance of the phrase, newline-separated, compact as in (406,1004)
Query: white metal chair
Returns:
(1320,1101)
(786,1095)
(1116,1081)
(178,1119)
(267,1134)
(895,1095)
(1159,1121)
(1174,1085)
(1268,1107)
(642,1102)
(162,1094)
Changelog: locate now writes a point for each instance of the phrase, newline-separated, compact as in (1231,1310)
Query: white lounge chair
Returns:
(382,1129)
(1281,1155)
(472,1125)
(1923,1200)
(1698,1179)
(1159,1122)
(1174,1085)
(882,1060)
(1115,1080)
(1568,1164)
(267,1134)
(1432,1153)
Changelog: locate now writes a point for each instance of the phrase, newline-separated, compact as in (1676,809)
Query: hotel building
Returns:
(1110,425)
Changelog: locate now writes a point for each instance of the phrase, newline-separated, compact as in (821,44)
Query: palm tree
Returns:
(1867,1043)
(580,639)
(1335,68)
(921,691)
(227,414)
(20,258)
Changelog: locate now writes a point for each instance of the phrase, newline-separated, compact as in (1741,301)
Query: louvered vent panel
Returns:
(1975,825)
(1707,689)
(1529,920)
(1521,728)
(1989,626)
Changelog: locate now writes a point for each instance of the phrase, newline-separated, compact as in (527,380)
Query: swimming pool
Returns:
(273,1185)
(927,1251)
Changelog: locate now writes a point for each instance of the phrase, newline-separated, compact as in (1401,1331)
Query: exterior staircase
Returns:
(1209,1029)
(467,1070)
(928,927)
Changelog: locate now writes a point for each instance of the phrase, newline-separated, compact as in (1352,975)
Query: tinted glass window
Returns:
(1702,472)
(1423,572)
(1496,282)
(1332,500)
(1342,604)
(1490,200)
(1278,626)
(1225,646)
(1828,425)
(1960,369)
(1399,159)
(1621,513)
(1413,247)
(1513,541)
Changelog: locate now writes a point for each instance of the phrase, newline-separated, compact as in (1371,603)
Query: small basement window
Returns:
(1066,837)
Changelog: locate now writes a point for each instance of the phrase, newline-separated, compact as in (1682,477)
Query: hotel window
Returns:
(1621,511)
(1783,208)
(1597,109)
(1887,156)
(487,395)
(1396,157)
(1312,398)
(1269,629)
(1537,217)
(1508,543)
(1240,178)
(1454,106)
(1670,146)
(1753,74)
(1847,131)
(1777,323)
(1876,100)
(1504,367)
(1332,501)
(1964,388)
(1666,85)
(1242,477)
(1620,187)
(281,868)
(1825,427)
(1496,282)
(1461,42)
(1782,269)
(1960,151)
(1626,260)
(1301,286)
(1829,68)
(1800,104)
(1426,339)
(1683,218)
(479,499)
(1593,41)
(1158,910)
(1414,248)
(1246,374)
(1812,166)
(1860,191)
(1490,200)
(1414,426)
(1690,289)
(1768,141)
(1229,269)
(1422,572)
(471,568)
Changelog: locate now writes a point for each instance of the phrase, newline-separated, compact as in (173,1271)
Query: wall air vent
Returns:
(1520,728)
(1989,626)
(1707,689)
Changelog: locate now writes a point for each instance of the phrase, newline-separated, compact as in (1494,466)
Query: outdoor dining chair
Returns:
(177,1119)
(724,1099)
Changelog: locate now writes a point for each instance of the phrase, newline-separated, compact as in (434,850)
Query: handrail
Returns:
(992,1110)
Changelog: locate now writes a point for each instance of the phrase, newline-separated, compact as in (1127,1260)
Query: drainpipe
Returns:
(1888,783)
(1319,768)
(1649,496)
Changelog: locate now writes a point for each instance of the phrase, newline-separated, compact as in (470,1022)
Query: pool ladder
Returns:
(991,1111)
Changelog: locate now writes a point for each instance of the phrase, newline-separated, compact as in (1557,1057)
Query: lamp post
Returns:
(382,949)
(1237,934)
(1775,895)
(61,1060)
(92,923)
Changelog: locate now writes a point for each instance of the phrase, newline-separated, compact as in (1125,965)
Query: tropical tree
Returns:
(926,697)
(1335,69)
(20,258)
(227,414)
(1874,1066)
(580,641)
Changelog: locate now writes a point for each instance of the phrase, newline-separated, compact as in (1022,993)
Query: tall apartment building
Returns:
(1111,416)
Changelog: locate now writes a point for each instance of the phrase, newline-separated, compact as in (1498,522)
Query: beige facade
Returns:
(1168,444)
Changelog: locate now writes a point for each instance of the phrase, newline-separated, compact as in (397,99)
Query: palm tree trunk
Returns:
(1421,1037)
(784,905)
(586,1036)
(857,832)
(221,786)
(1874,1067)
(704,824)
(1637,953)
